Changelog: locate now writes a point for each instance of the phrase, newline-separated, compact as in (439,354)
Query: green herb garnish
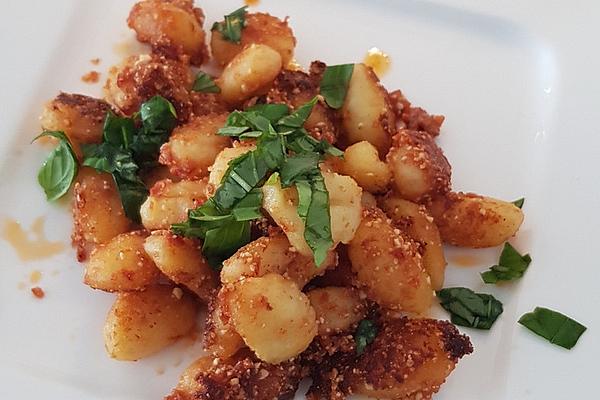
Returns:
(60,168)
(204,83)
(236,201)
(334,84)
(553,326)
(467,308)
(126,148)
(511,265)
(365,334)
(231,27)
(519,202)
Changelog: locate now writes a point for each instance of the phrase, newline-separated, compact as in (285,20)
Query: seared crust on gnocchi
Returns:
(414,118)
(193,147)
(419,168)
(470,220)
(388,265)
(141,77)
(98,215)
(169,202)
(121,264)
(242,376)
(260,28)
(172,27)
(80,117)
(142,323)
(181,261)
(414,219)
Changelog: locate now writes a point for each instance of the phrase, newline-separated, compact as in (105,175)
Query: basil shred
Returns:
(555,327)
(334,84)
(511,265)
(470,309)
(365,334)
(204,83)
(231,27)
(519,202)
(223,221)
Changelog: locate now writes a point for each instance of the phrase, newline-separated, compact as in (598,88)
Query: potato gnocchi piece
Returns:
(80,117)
(388,265)
(344,204)
(362,163)
(470,220)
(249,73)
(172,27)
(221,164)
(415,220)
(169,202)
(181,260)
(409,359)
(121,265)
(337,308)
(207,103)
(419,167)
(220,337)
(273,316)
(273,254)
(142,323)
(193,147)
(242,376)
(143,76)
(98,215)
(367,113)
(260,28)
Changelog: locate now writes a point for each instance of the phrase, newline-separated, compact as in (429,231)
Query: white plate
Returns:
(518,83)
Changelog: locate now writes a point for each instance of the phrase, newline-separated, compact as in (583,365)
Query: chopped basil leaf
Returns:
(519,202)
(158,116)
(273,112)
(557,328)
(298,165)
(204,83)
(467,308)
(118,131)
(298,117)
(365,334)
(511,265)
(231,27)
(222,242)
(238,198)
(334,84)
(119,162)
(60,168)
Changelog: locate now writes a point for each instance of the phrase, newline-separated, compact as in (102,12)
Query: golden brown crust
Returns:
(98,214)
(409,359)
(414,118)
(207,103)
(417,151)
(172,27)
(141,77)
(80,117)
(241,377)
(295,88)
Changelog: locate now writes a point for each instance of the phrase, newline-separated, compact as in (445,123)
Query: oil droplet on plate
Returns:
(30,245)
(35,276)
(378,60)
(465,260)
(251,2)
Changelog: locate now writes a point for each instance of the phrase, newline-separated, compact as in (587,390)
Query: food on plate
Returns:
(306,209)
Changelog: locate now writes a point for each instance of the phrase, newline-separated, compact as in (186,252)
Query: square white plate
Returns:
(518,83)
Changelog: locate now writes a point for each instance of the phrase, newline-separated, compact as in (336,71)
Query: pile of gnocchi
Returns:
(326,272)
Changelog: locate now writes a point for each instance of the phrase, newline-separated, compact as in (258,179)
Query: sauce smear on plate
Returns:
(30,245)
